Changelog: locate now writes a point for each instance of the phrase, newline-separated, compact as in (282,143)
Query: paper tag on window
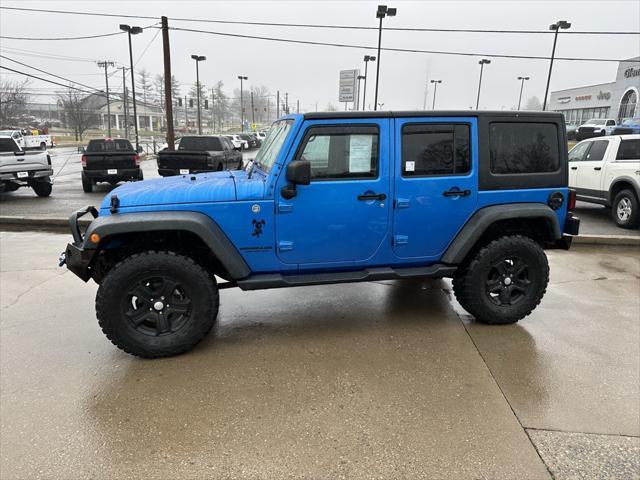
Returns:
(410,167)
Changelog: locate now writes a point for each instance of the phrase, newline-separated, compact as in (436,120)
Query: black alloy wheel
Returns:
(508,281)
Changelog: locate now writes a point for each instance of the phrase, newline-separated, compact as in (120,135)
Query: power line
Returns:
(390,49)
(307,25)
(55,56)
(147,47)
(49,39)
(51,81)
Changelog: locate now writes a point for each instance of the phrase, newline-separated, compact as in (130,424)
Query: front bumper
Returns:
(76,257)
(33,174)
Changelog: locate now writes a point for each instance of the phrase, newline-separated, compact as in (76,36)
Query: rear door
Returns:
(589,178)
(436,183)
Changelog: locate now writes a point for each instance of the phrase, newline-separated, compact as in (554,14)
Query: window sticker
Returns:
(360,153)
(410,167)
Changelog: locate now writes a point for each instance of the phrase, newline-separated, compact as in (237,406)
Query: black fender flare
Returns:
(194,222)
(625,179)
(483,218)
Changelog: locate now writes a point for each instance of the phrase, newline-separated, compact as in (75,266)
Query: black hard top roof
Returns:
(429,113)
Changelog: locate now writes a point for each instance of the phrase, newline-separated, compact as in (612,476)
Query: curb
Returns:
(56,223)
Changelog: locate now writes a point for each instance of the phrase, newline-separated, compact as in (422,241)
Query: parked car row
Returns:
(197,154)
(598,127)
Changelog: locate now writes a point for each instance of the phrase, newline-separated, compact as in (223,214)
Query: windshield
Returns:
(273,144)
(595,121)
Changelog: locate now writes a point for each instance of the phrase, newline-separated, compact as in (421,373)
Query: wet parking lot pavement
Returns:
(372,380)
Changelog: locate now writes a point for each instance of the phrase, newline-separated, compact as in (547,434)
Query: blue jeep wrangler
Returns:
(336,197)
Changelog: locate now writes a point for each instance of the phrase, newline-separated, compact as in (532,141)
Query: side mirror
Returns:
(299,172)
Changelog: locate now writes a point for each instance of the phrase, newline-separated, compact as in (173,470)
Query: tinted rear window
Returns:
(435,149)
(200,143)
(629,150)
(521,148)
(109,146)
(7,145)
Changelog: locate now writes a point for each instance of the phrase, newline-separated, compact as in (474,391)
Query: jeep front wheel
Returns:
(625,210)
(157,304)
(505,280)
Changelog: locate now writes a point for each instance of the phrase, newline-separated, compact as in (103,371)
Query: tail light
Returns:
(572,200)
(136,158)
(83,160)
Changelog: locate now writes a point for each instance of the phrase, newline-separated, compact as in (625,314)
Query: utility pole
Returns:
(106,64)
(186,115)
(124,101)
(253,111)
(286,103)
(168,104)
(213,110)
(277,104)
(297,106)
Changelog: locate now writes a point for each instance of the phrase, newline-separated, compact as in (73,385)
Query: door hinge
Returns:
(402,203)
(285,207)
(400,240)
(285,246)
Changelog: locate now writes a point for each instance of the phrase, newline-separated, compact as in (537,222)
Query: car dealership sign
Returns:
(348,90)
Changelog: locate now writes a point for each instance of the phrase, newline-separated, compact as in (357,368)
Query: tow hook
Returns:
(62,259)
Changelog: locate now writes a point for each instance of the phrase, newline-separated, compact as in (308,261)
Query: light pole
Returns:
(241,78)
(133,31)
(198,59)
(106,64)
(560,24)
(483,62)
(367,59)
(360,78)
(522,79)
(382,12)
(435,90)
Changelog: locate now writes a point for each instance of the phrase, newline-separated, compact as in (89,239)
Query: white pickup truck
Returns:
(29,142)
(24,169)
(606,170)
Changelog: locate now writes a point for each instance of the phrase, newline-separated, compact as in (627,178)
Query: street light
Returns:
(241,78)
(360,77)
(522,79)
(435,90)
(198,59)
(133,31)
(483,62)
(367,59)
(382,12)
(560,24)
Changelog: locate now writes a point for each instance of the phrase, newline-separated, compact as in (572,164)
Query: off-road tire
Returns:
(42,189)
(626,200)
(43,146)
(472,282)
(87,184)
(114,304)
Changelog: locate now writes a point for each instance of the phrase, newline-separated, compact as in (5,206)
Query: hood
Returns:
(185,189)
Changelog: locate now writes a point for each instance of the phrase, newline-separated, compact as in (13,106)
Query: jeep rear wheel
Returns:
(625,210)
(157,304)
(505,280)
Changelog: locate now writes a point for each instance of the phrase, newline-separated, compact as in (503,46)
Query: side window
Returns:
(522,148)
(610,123)
(435,149)
(341,152)
(578,152)
(596,153)
(629,150)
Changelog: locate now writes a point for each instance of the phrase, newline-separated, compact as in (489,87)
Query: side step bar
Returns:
(277,280)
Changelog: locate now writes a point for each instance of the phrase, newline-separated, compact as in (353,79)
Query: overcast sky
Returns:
(310,73)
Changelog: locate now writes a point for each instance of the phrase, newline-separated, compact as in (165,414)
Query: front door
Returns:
(342,216)
(589,178)
(436,183)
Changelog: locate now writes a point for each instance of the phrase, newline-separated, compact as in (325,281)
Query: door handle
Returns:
(457,193)
(597,168)
(574,168)
(372,196)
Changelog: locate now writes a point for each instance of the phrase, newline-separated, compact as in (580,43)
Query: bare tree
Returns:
(533,103)
(330,107)
(76,113)
(158,87)
(13,100)
(144,84)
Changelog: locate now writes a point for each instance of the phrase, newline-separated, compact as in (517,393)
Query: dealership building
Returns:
(617,99)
